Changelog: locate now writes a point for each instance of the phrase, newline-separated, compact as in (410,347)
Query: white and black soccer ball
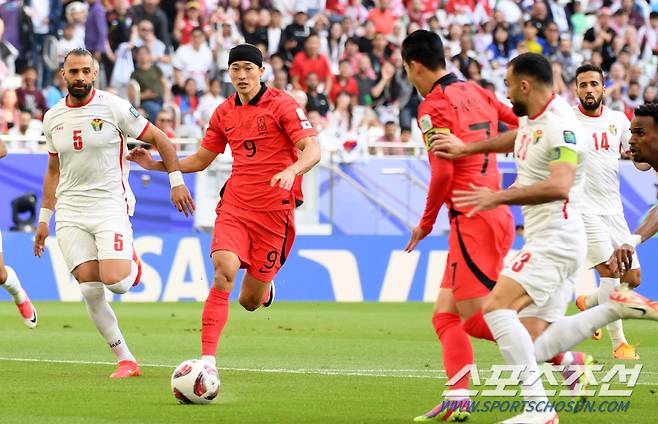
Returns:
(195,381)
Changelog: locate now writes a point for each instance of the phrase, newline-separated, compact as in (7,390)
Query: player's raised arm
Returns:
(50,182)
(309,157)
(180,195)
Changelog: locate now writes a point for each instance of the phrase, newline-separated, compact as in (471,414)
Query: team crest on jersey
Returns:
(613,129)
(536,137)
(261,124)
(134,112)
(569,137)
(97,124)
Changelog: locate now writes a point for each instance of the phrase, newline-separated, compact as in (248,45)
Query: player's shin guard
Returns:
(457,349)
(215,315)
(568,331)
(105,320)
(477,327)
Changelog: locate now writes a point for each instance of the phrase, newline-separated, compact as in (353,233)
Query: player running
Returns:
(255,225)
(87,181)
(478,243)
(549,151)
(643,149)
(607,133)
(10,282)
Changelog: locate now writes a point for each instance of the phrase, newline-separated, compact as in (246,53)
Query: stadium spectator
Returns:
(76,14)
(188,104)
(390,136)
(30,98)
(366,40)
(96,33)
(274,32)
(465,55)
(9,111)
(151,11)
(68,42)
(165,121)
(252,32)
(383,17)
(310,60)
(344,81)
(601,37)
(56,91)
(186,20)
(153,87)
(315,100)
(552,38)
(295,33)
(365,81)
(118,24)
(45,16)
(8,55)
(568,58)
(30,129)
(501,46)
(533,42)
(633,98)
(194,60)
(210,100)
(579,22)
(650,94)
(281,80)
(333,45)
(346,130)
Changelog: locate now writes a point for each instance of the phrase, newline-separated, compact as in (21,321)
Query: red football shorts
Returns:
(477,248)
(262,240)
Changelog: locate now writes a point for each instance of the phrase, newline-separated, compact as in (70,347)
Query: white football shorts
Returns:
(604,234)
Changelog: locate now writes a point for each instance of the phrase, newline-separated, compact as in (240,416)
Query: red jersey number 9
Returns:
(250,146)
(77,139)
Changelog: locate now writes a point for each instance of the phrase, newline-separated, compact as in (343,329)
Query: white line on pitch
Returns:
(387,373)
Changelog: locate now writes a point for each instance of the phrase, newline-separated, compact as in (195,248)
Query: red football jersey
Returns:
(262,136)
(471,113)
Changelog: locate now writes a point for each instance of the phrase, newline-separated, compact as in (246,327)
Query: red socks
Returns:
(457,349)
(477,327)
(215,315)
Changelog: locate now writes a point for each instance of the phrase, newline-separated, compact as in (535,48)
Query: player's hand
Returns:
(447,146)
(40,239)
(182,199)
(417,234)
(284,179)
(142,157)
(480,199)
(621,260)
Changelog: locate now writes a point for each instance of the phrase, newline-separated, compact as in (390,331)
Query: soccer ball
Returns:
(195,381)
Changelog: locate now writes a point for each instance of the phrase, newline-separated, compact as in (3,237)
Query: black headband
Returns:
(247,53)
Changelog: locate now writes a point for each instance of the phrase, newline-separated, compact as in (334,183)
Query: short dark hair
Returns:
(648,109)
(588,67)
(78,52)
(426,48)
(533,65)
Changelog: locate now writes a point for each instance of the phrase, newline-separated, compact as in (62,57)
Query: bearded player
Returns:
(607,134)
(87,182)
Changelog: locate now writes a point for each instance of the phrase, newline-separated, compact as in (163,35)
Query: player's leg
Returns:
(230,252)
(599,249)
(272,234)
(120,267)
(80,253)
(10,282)
(216,307)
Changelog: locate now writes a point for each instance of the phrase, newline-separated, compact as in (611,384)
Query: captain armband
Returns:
(564,155)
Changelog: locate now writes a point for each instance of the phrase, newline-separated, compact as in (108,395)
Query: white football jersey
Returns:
(606,136)
(536,142)
(90,141)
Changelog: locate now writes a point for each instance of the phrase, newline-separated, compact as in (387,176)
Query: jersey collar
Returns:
(541,112)
(256,98)
(445,81)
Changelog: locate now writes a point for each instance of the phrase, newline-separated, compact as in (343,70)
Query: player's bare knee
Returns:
(3,275)
(223,281)
(632,278)
(250,303)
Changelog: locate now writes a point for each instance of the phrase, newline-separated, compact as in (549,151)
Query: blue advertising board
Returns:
(177,267)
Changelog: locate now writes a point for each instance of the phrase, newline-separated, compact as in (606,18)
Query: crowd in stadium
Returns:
(339,58)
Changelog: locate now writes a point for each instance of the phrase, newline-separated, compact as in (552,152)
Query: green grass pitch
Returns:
(291,363)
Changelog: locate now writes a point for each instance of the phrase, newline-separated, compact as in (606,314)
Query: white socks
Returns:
(124,285)
(615,328)
(568,331)
(106,322)
(13,286)
(209,359)
(516,346)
